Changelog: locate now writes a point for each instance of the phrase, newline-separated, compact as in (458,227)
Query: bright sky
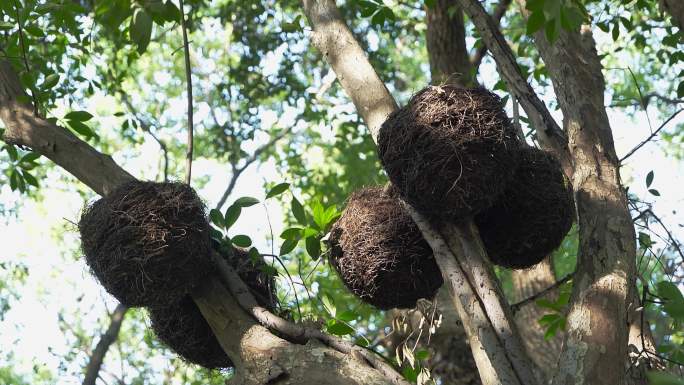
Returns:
(44,238)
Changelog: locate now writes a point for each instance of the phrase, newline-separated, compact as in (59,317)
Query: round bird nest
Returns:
(379,252)
(184,330)
(532,216)
(147,243)
(450,151)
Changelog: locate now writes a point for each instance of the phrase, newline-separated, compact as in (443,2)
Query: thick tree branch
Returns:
(106,340)
(481,51)
(188,81)
(496,346)
(339,48)
(25,128)
(548,132)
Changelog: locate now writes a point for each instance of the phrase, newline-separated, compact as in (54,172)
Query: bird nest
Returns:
(450,151)
(147,243)
(184,330)
(532,216)
(379,252)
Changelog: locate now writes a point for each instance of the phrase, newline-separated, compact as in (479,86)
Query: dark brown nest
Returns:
(147,243)
(379,252)
(450,151)
(532,216)
(182,327)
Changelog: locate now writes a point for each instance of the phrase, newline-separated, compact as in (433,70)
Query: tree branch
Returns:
(25,128)
(237,171)
(548,132)
(650,137)
(499,12)
(297,333)
(106,340)
(516,306)
(188,80)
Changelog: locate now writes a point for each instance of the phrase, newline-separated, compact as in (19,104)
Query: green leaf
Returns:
(674,301)
(318,214)
(680,90)
(615,33)
(347,316)
(216,218)
(6,25)
(328,304)
(645,240)
(12,152)
(254,255)
(14,180)
(340,329)
(30,179)
(246,202)
(288,246)
(654,192)
(535,22)
(171,12)
(242,241)
(30,157)
(292,233)
(80,116)
(232,215)
(551,31)
(50,81)
(277,190)
(81,128)
(298,211)
(313,247)
(649,178)
(430,3)
(663,378)
(141,29)
(215,234)
(422,354)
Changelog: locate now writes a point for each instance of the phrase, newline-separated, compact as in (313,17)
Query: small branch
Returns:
(517,306)
(188,78)
(295,332)
(237,171)
(548,132)
(23,54)
(106,340)
(650,137)
(499,12)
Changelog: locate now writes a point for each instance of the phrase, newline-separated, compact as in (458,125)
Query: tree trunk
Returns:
(676,9)
(526,283)
(596,341)
(446,45)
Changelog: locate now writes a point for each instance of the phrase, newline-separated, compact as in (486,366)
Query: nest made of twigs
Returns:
(147,243)
(379,252)
(450,151)
(532,216)
(184,330)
